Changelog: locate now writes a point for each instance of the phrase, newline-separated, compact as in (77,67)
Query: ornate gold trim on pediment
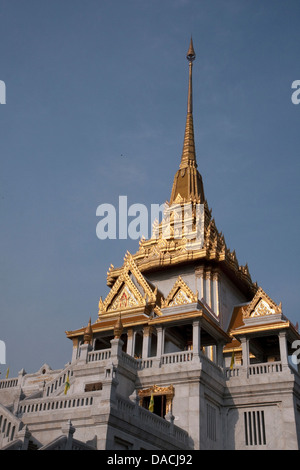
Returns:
(130,291)
(180,294)
(261,305)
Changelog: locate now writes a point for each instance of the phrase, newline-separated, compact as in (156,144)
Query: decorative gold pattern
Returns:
(123,300)
(156,390)
(262,308)
(180,294)
(130,291)
(261,305)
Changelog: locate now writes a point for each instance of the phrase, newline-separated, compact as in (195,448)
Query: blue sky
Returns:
(89,81)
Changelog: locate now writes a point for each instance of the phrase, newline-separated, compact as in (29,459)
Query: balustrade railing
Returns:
(8,383)
(253,369)
(176,357)
(264,368)
(151,420)
(9,424)
(59,381)
(100,355)
(144,363)
(129,360)
(54,404)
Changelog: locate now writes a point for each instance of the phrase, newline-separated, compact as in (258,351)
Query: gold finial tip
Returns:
(118,329)
(88,333)
(191,53)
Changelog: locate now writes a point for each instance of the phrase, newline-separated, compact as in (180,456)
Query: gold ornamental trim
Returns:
(156,390)
(124,294)
(261,305)
(180,294)
(265,327)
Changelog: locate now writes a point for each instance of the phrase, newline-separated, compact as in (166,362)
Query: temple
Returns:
(186,352)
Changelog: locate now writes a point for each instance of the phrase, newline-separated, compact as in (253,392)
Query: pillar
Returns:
(196,340)
(220,357)
(283,348)
(84,350)
(116,348)
(160,341)
(200,282)
(208,288)
(245,351)
(146,342)
(215,292)
(130,342)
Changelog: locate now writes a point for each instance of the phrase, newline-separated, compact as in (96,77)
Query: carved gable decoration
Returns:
(124,299)
(180,294)
(130,291)
(261,305)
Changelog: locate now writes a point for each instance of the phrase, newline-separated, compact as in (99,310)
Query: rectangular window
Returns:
(254,426)
(211,422)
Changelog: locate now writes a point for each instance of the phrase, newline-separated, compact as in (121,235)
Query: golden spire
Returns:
(188,182)
(188,151)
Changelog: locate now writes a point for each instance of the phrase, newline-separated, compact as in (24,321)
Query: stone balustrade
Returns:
(144,363)
(58,382)
(9,383)
(55,404)
(151,420)
(9,425)
(176,357)
(101,355)
(262,368)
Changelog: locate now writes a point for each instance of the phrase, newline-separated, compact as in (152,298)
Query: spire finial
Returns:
(88,333)
(188,182)
(188,152)
(191,56)
(118,329)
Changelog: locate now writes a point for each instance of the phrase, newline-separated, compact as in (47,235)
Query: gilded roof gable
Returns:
(180,294)
(261,305)
(130,291)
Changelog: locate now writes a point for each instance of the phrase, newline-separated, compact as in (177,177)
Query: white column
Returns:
(75,349)
(208,288)
(200,282)
(160,341)
(130,342)
(196,339)
(215,297)
(245,351)
(283,348)
(146,341)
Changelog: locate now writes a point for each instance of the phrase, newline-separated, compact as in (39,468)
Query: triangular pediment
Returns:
(261,305)
(180,294)
(130,292)
(125,298)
